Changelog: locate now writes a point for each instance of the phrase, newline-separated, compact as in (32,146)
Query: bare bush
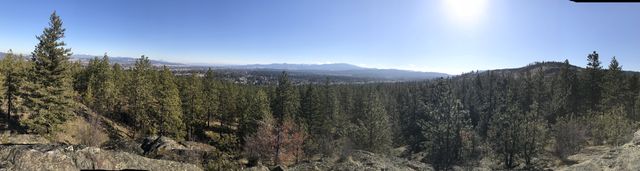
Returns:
(90,134)
(570,135)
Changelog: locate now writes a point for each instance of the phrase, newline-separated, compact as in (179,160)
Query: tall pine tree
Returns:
(191,89)
(311,112)
(592,83)
(50,98)
(210,92)
(120,80)
(613,89)
(445,124)
(168,112)
(564,92)
(101,90)
(373,131)
(140,95)
(504,132)
(257,111)
(284,109)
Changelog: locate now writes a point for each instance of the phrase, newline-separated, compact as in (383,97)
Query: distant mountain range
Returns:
(120,60)
(346,70)
(335,69)
(343,69)
(126,61)
(285,66)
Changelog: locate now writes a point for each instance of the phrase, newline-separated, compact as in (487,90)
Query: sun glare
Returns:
(466,12)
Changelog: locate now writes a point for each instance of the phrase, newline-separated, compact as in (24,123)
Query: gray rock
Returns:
(363,160)
(187,152)
(155,144)
(68,157)
(625,157)
(123,145)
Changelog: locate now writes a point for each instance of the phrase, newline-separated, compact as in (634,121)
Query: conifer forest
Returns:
(515,119)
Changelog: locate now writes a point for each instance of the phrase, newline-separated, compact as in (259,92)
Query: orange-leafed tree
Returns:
(262,144)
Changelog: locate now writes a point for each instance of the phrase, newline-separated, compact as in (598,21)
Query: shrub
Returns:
(611,127)
(90,134)
(569,135)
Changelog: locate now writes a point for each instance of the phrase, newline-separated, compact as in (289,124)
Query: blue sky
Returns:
(424,35)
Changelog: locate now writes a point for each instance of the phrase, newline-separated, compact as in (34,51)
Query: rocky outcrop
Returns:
(363,160)
(625,157)
(155,144)
(70,157)
(168,149)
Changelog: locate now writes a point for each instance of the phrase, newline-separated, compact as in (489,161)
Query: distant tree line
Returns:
(509,116)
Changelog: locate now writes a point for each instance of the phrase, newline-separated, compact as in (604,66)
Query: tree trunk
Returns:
(278,143)
(9,108)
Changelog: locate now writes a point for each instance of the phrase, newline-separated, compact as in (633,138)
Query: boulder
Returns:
(70,157)
(124,145)
(159,144)
(168,149)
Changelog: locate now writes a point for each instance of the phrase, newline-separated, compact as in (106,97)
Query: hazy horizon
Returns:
(448,36)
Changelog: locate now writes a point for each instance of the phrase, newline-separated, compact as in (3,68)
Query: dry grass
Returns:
(81,131)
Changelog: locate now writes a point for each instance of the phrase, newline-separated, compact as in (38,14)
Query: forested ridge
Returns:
(510,116)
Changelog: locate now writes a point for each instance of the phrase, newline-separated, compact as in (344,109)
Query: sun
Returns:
(465,11)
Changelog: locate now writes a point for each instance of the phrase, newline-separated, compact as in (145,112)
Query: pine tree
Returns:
(534,122)
(229,102)
(446,125)
(87,97)
(211,95)
(192,103)
(631,97)
(169,113)
(100,93)
(564,92)
(636,108)
(15,71)
(504,132)
(410,112)
(50,98)
(261,144)
(372,132)
(534,131)
(613,89)
(284,103)
(311,112)
(284,109)
(140,95)
(258,111)
(540,93)
(334,124)
(592,85)
(120,80)
(491,86)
